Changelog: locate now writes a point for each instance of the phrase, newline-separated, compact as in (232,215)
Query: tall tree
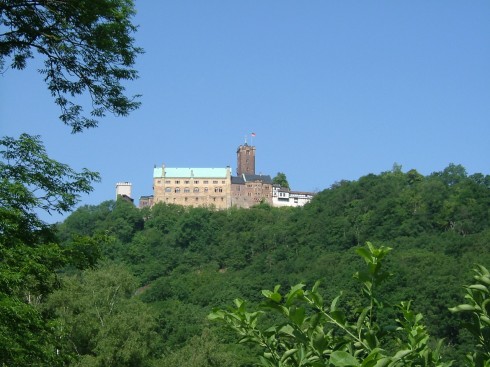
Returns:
(87,47)
(281,179)
(101,322)
(29,182)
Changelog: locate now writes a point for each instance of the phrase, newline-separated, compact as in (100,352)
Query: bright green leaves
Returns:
(478,309)
(343,359)
(273,296)
(311,334)
(373,275)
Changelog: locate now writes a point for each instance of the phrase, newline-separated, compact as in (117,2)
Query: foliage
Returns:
(280,179)
(202,350)
(189,260)
(87,48)
(313,334)
(29,253)
(100,322)
(478,309)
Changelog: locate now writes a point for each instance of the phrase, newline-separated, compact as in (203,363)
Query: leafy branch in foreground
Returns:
(478,310)
(87,47)
(315,334)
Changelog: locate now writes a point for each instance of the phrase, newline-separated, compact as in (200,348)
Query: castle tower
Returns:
(245,160)
(123,189)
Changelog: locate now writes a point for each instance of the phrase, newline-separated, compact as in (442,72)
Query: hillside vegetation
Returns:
(183,262)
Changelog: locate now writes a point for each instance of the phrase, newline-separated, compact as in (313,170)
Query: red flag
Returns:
(253,135)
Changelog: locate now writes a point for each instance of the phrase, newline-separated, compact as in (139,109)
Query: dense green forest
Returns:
(161,271)
(117,286)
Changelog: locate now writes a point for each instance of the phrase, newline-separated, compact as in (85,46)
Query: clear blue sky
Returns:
(333,90)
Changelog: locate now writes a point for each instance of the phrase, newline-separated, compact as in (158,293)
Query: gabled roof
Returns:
(190,172)
(240,180)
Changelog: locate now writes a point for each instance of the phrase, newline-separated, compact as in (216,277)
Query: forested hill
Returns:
(188,260)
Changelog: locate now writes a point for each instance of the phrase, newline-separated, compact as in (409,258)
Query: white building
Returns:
(282,196)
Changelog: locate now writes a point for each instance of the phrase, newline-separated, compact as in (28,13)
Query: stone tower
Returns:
(245,160)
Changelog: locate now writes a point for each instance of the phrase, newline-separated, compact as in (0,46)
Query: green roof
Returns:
(190,172)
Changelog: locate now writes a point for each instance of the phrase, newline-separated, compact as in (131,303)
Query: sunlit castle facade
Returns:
(217,188)
(208,187)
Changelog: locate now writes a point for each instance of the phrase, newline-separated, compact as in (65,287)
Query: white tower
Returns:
(123,189)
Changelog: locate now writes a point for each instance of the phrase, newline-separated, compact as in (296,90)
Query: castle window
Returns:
(196,182)
(215,182)
(205,182)
(186,182)
(159,181)
(167,181)
(206,189)
(177,182)
(197,199)
(187,189)
(218,189)
(185,199)
(196,189)
(177,190)
(168,189)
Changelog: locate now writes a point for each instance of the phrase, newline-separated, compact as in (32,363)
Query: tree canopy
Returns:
(87,48)
(189,260)
(30,254)
(280,179)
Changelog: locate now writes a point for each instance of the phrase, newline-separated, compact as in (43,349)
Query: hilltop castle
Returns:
(216,187)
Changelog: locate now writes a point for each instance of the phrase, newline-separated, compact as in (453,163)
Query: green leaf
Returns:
(365,254)
(401,353)
(462,308)
(338,316)
(216,314)
(295,292)
(333,306)
(479,287)
(484,279)
(362,317)
(297,315)
(287,354)
(343,359)
(273,296)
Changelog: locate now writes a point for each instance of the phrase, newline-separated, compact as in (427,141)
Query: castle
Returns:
(216,187)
